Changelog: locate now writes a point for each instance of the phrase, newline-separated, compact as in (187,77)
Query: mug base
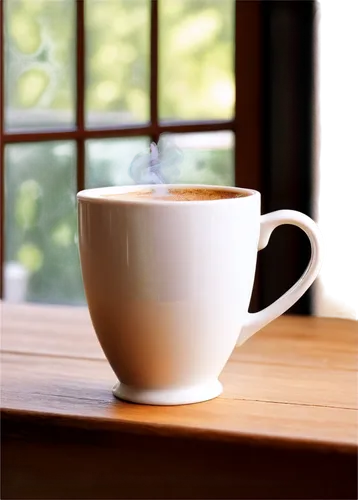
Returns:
(168,397)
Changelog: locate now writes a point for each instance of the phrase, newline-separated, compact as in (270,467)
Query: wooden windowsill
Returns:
(285,427)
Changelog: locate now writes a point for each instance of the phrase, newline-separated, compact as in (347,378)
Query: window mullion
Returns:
(154,51)
(80,92)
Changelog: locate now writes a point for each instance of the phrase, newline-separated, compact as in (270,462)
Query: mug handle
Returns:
(269,222)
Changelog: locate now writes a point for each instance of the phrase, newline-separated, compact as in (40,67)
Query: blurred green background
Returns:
(196,82)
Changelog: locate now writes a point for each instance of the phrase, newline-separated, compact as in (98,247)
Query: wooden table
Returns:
(285,427)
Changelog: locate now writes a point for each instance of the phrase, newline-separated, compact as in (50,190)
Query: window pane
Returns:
(208,158)
(117,62)
(42,263)
(196,59)
(108,160)
(39,63)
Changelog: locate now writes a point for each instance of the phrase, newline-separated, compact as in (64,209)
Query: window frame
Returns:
(288,148)
(245,123)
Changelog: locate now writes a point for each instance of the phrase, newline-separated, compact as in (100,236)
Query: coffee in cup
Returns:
(178,194)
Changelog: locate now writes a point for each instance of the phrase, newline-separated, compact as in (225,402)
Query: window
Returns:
(85,85)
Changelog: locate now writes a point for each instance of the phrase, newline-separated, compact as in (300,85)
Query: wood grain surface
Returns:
(290,400)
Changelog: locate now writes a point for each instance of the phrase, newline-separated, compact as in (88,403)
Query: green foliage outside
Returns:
(196,82)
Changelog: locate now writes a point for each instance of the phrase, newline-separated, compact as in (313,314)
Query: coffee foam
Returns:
(178,194)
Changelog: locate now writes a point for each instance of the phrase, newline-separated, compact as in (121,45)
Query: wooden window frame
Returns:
(245,123)
(288,73)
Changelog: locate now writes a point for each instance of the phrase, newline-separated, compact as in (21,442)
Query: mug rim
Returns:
(97,195)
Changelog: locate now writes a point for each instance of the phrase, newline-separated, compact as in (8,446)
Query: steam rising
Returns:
(159,165)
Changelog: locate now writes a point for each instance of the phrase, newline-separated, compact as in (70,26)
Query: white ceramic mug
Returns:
(168,286)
